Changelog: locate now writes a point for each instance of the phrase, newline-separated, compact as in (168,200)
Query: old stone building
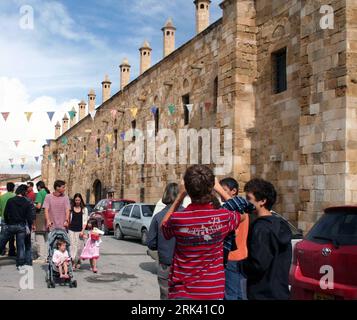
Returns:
(281,74)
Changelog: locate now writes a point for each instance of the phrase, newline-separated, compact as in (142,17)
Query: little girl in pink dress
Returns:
(91,248)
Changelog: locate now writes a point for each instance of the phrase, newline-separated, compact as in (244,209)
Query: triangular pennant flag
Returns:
(11,160)
(92,114)
(12,166)
(208,105)
(50,115)
(107,149)
(154,110)
(72,114)
(48,141)
(97,151)
(64,140)
(23,160)
(5,115)
(22,166)
(50,157)
(79,139)
(171,109)
(72,162)
(94,138)
(16,143)
(88,131)
(189,107)
(134,111)
(122,135)
(109,137)
(62,155)
(28,115)
(37,158)
(114,113)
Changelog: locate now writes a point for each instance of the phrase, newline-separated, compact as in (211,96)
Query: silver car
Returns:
(133,220)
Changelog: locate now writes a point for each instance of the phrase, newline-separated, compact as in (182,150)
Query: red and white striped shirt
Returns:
(197,271)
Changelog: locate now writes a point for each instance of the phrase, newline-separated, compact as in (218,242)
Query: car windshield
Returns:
(340,228)
(148,210)
(117,205)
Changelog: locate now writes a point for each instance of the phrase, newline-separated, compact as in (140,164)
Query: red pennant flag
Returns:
(208,105)
(5,115)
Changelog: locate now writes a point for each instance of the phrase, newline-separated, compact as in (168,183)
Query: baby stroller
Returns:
(53,275)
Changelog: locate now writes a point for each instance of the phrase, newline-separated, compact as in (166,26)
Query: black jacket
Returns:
(19,210)
(269,259)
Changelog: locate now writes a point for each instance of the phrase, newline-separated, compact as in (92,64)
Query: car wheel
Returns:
(118,234)
(144,236)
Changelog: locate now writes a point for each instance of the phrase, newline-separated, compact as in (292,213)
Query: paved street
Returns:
(125,272)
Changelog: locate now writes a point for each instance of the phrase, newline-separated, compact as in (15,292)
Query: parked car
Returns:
(331,245)
(90,208)
(105,210)
(133,220)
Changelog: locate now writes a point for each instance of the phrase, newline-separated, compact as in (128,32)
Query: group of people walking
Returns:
(233,249)
(28,218)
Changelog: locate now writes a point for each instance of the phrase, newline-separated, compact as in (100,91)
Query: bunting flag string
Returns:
(50,115)
(16,143)
(114,113)
(134,111)
(28,115)
(172,109)
(22,166)
(5,115)
(11,160)
(50,157)
(64,140)
(189,107)
(37,158)
(109,137)
(122,135)
(154,110)
(12,166)
(72,114)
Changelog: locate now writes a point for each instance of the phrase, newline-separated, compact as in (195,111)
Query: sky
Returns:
(49,63)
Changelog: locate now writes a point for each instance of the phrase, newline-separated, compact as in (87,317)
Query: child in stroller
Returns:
(56,270)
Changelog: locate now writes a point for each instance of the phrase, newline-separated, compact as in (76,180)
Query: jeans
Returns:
(18,230)
(236,282)
(163,273)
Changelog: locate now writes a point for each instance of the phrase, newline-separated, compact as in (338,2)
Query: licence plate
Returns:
(322,296)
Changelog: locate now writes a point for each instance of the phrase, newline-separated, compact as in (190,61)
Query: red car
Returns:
(105,210)
(325,262)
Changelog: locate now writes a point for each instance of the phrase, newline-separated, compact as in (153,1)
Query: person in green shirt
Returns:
(10,187)
(40,224)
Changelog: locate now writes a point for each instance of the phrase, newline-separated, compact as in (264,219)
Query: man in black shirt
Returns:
(18,216)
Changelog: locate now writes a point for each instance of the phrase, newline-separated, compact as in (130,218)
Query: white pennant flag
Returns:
(189,107)
(62,155)
(92,114)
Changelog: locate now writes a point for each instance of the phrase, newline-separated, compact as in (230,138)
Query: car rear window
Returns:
(117,205)
(340,227)
(148,210)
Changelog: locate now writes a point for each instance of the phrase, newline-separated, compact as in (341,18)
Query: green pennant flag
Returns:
(171,109)
(50,157)
(64,140)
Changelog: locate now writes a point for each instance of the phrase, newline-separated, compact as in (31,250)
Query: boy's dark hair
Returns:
(170,194)
(262,190)
(22,190)
(10,187)
(231,183)
(59,243)
(58,184)
(30,184)
(199,183)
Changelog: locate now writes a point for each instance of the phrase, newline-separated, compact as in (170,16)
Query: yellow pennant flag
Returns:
(134,111)
(28,115)
(109,137)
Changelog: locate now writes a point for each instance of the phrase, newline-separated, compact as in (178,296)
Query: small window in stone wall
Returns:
(133,127)
(279,71)
(157,121)
(98,148)
(202,6)
(115,139)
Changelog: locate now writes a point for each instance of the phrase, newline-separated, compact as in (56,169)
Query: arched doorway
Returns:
(97,188)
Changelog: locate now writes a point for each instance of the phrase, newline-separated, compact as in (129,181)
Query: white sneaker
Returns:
(20,268)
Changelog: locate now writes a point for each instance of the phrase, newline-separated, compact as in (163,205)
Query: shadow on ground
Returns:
(149,266)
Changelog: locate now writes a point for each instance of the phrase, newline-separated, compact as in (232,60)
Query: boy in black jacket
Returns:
(269,246)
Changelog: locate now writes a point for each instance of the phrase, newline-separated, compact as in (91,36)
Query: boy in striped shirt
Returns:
(197,271)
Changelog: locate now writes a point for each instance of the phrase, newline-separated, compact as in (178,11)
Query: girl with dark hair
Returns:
(77,225)
(197,270)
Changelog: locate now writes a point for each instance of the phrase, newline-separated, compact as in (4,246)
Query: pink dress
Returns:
(91,249)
